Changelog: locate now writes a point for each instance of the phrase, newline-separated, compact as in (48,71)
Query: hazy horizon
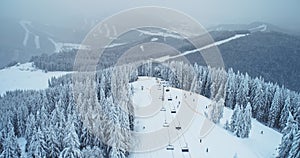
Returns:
(210,13)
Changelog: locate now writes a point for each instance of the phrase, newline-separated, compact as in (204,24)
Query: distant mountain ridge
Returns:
(21,39)
(252,27)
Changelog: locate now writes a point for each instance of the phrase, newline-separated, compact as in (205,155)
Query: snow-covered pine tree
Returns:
(234,117)
(289,133)
(115,138)
(274,113)
(285,111)
(213,112)
(230,89)
(30,126)
(38,146)
(247,121)
(52,142)
(227,126)
(11,148)
(258,99)
(94,152)
(216,111)
(71,140)
(240,125)
(243,90)
(295,147)
(263,111)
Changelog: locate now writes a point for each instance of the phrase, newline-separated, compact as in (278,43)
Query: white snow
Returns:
(23,23)
(159,33)
(22,144)
(237,36)
(262,28)
(154,39)
(25,76)
(218,141)
(37,42)
(114,45)
(59,46)
(141,97)
(142,48)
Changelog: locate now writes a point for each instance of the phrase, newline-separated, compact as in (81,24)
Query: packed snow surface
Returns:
(215,143)
(25,76)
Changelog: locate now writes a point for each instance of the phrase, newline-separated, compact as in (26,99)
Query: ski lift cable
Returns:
(178,135)
(184,139)
(170,142)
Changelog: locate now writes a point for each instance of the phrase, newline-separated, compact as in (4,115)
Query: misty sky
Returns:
(284,13)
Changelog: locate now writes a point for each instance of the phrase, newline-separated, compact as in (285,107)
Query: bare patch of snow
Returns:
(24,24)
(25,76)
(37,42)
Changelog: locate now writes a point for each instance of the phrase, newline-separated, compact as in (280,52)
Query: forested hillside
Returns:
(272,55)
(99,116)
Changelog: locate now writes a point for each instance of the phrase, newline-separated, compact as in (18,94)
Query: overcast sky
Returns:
(284,13)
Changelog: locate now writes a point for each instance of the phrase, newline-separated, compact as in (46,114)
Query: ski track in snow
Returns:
(163,34)
(115,45)
(37,42)
(261,28)
(59,46)
(23,23)
(165,58)
(218,141)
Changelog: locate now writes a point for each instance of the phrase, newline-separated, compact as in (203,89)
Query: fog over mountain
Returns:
(67,12)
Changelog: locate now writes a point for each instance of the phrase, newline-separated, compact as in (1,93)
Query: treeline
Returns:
(72,118)
(274,56)
(272,105)
(92,114)
(62,61)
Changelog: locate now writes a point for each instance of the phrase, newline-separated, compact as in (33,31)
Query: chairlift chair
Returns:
(170,98)
(165,124)
(185,149)
(170,147)
(178,127)
(173,111)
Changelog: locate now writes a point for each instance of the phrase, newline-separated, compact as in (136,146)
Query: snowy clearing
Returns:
(25,76)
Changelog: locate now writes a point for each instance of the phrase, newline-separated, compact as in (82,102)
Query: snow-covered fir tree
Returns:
(71,141)
(216,111)
(289,133)
(10,147)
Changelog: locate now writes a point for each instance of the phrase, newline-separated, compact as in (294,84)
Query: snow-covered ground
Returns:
(25,76)
(237,36)
(22,144)
(202,137)
(159,33)
(261,28)
(24,25)
(59,46)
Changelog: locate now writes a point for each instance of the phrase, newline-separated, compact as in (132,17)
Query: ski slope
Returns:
(217,43)
(215,142)
(25,76)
